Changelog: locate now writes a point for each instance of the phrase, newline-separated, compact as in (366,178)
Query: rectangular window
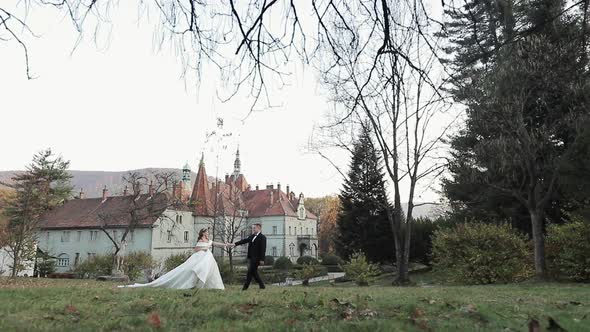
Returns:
(115,236)
(131,235)
(274,230)
(93,235)
(63,262)
(65,236)
(185,236)
(77,259)
(79,236)
(169,237)
(289,230)
(274,251)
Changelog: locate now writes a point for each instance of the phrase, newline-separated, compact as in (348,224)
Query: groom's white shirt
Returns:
(254,238)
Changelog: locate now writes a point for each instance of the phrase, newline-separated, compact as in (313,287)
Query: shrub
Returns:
(45,267)
(176,259)
(360,270)
(477,253)
(283,263)
(307,260)
(269,260)
(135,263)
(95,266)
(306,273)
(568,250)
(227,275)
(331,260)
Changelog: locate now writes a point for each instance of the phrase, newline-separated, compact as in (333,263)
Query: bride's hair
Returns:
(202,232)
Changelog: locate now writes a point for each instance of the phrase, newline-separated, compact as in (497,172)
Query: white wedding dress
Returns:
(199,270)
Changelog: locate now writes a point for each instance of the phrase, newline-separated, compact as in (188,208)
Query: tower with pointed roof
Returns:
(237,165)
(200,198)
(186,182)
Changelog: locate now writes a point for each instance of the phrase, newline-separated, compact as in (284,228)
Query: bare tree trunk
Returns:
(537,217)
(15,259)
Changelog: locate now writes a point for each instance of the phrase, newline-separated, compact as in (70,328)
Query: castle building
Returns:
(77,229)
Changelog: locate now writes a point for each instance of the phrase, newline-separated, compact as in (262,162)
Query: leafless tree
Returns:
(394,91)
(252,43)
(137,207)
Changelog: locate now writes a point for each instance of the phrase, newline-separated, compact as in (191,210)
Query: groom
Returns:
(256,254)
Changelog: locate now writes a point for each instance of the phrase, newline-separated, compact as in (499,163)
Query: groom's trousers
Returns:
(253,273)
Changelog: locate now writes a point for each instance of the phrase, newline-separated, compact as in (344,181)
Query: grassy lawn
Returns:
(80,305)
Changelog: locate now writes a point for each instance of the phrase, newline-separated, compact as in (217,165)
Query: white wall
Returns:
(80,243)
(162,246)
(6,262)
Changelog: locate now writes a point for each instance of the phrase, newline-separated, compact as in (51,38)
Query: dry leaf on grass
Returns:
(70,309)
(247,308)
(154,320)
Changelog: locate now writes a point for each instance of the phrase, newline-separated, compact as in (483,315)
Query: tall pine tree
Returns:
(525,110)
(45,184)
(362,223)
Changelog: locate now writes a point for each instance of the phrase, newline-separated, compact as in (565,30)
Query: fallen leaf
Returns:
(368,313)
(470,308)
(70,309)
(154,320)
(247,308)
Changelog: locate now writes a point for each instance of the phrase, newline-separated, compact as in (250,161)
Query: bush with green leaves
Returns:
(45,266)
(359,269)
(306,273)
(331,260)
(136,263)
(94,266)
(478,253)
(283,263)
(568,250)
(175,260)
(269,260)
(307,260)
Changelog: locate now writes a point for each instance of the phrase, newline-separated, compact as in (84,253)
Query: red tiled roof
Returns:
(114,212)
(201,198)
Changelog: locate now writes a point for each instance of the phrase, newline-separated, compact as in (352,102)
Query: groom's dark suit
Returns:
(256,254)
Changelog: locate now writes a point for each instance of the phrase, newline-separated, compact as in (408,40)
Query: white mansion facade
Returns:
(74,231)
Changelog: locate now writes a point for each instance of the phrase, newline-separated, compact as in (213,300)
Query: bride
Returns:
(199,270)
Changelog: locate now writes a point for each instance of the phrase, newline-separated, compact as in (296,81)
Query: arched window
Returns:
(292,249)
(314,250)
(63,260)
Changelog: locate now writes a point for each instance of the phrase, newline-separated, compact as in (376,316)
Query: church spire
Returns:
(237,164)
(202,162)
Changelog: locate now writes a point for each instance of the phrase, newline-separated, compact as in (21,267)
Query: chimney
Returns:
(270,186)
(271,198)
(256,187)
(125,191)
(287,192)
(151,189)
(104,193)
(82,195)
(279,187)
(227,178)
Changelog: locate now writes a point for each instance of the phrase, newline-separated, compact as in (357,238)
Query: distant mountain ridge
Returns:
(92,182)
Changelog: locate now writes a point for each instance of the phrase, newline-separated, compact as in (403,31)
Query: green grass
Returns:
(80,305)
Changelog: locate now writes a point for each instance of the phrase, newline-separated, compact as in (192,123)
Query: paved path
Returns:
(330,276)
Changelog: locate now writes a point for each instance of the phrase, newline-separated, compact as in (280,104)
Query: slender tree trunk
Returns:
(15,263)
(537,218)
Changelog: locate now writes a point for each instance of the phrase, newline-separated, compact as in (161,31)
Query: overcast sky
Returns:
(126,106)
